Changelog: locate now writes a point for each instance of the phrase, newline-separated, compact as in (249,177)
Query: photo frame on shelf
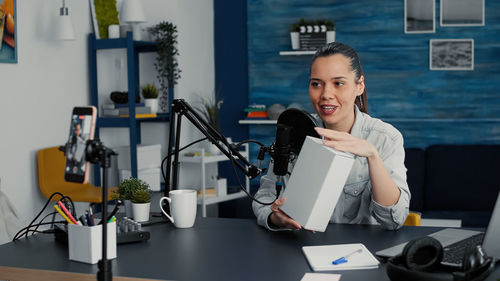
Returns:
(104,13)
(8,31)
(420,16)
(462,12)
(451,54)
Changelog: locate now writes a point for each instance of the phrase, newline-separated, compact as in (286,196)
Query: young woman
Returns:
(376,191)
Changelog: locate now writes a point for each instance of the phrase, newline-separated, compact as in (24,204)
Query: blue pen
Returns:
(344,258)
(89,220)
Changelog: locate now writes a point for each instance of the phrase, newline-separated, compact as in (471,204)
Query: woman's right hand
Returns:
(279,218)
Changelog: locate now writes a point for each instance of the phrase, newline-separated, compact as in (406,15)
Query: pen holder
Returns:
(85,242)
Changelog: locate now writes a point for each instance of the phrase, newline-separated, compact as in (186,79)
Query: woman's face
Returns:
(333,88)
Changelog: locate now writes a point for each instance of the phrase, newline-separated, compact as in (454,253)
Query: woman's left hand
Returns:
(346,142)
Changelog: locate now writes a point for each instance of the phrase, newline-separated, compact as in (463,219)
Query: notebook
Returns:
(321,258)
(449,236)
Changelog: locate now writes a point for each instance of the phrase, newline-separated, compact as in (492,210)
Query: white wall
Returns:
(51,77)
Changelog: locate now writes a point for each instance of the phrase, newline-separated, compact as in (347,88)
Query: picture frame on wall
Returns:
(462,12)
(451,54)
(420,16)
(8,31)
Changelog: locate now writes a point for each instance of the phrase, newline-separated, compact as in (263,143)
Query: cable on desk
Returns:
(65,199)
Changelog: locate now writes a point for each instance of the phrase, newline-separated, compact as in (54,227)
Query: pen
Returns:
(91,216)
(344,258)
(117,206)
(89,220)
(112,219)
(83,220)
(63,208)
(62,214)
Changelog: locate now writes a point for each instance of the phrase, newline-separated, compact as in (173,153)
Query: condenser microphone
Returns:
(282,148)
(292,128)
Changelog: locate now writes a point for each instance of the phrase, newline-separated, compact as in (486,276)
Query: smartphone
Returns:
(81,130)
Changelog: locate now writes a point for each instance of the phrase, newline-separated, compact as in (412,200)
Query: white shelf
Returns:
(258,121)
(296,53)
(217,199)
(202,160)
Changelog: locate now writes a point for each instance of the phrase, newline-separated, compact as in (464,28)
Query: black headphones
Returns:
(421,261)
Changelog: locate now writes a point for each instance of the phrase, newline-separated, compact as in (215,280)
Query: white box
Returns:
(150,176)
(85,242)
(221,188)
(316,183)
(148,156)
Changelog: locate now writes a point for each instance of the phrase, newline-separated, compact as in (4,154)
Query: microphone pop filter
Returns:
(302,123)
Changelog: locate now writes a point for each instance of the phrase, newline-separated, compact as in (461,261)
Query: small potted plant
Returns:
(294,36)
(210,108)
(141,203)
(125,191)
(330,31)
(150,94)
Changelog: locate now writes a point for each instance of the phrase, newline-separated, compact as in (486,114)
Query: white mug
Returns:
(182,207)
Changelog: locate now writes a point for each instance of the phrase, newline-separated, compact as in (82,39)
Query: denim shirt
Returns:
(356,204)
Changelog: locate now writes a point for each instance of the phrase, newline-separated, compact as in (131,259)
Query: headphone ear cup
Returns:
(473,258)
(422,254)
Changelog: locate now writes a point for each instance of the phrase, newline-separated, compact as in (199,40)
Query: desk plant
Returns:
(150,94)
(165,36)
(141,202)
(126,190)
(209,109)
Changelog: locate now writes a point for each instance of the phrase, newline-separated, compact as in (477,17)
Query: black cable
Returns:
(25,229)
(180,149)
(63,198)
(241,185)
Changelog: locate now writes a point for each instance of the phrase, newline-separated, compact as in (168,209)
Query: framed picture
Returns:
(420,16)
(8,31)
(462,12)
(451,54)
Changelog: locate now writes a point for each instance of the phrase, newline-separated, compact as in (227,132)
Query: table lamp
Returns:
(133,14)
(65,29)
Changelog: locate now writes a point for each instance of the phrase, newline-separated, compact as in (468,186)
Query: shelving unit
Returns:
(268,122)
(202,161)
(133,49)
(296,53)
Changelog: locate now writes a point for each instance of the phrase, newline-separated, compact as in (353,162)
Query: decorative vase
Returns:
(152,103)
(330,36)
(294,37)
(141,211)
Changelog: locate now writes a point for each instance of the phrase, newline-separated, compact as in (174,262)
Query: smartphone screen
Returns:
(81,130)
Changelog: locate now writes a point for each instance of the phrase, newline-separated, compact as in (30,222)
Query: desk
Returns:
(216,249)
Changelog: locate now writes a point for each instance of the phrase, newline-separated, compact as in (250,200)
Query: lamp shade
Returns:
(65,28)
(132,12)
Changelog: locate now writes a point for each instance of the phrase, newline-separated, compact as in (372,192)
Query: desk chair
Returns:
(51,164)
(413,219)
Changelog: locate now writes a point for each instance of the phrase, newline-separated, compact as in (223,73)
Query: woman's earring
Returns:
(361,101)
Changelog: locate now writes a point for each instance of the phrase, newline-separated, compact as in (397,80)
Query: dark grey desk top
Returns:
(216,249)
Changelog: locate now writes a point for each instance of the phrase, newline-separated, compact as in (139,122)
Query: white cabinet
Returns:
(203,160)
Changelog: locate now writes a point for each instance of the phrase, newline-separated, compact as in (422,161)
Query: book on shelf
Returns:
(142,115)
(125,111)
(209,192)
(119,105)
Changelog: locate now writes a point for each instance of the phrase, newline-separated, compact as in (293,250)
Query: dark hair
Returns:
(339,48)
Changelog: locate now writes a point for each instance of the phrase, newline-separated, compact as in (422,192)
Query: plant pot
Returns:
(128,208)
(330,36)
(141,211)
(152,103)
(294,37)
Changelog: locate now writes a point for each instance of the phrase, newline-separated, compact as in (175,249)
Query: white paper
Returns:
(320,258)
(320,277)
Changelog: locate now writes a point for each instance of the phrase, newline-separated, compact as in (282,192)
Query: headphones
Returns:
(421,261)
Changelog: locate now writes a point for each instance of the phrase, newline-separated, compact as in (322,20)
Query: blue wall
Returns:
(428,107)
